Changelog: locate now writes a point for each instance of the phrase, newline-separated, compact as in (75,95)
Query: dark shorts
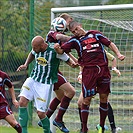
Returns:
(61,80)
(4,111)
(95,80)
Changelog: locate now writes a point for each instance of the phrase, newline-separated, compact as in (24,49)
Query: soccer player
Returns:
(5,111)
(39,85)
(110,110)
(96,74)
(63,89)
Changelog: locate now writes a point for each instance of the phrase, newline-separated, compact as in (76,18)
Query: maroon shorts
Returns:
(61,81)
(95,80)
(4,111)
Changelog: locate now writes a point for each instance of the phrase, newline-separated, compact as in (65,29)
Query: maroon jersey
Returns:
(51,37)
(90,48)
(4,80)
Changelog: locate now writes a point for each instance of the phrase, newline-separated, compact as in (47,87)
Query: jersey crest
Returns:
(42,61)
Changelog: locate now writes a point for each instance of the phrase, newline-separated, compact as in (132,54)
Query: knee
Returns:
(103,98)
(41,115)
(71,92)
(79,104)
(23,102)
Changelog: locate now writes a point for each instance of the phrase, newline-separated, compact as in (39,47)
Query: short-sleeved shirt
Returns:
(90,48)
(46,66)
(92,56)
(4,80)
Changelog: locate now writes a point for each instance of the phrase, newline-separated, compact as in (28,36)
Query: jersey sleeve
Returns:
(7,81)
(109,56)
(63,56)
(102,39)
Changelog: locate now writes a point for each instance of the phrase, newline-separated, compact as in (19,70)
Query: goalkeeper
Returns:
(110,110)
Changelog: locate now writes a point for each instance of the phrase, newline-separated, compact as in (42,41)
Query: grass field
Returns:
(39,130)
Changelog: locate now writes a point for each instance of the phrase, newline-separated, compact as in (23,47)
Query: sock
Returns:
(18,128)
(63,107)
(23,118)
(111,117)
(79,109)
(46,125)
(53,105)
(84,115)
(103,109)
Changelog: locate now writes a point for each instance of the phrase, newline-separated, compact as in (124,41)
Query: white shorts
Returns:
(40,93)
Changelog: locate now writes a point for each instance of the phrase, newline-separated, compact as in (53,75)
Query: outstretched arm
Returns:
(114,63)
(29,59)
(63,38)
(114,48)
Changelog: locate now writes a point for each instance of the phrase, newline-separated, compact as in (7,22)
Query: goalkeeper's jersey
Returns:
(46,66)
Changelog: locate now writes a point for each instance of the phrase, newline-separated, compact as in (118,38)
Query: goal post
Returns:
(115,22)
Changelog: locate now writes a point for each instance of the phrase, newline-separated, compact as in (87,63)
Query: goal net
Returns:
(116,22)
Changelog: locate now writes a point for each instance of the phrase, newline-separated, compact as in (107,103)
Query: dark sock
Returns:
(84,115)
(111,116)
(18,128)
(53,105)
(63,107)
(79,109)
(103,109)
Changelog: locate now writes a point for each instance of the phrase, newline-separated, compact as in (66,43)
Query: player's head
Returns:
(38,44)
(58,24)
(76,28)
(67,17)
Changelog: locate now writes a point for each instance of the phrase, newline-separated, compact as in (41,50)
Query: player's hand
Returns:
(15,103)
(116,71)
(121,57)
(79,78)
(56,46)
(22,67)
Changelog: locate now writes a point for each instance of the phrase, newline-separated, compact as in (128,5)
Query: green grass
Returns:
(39,130)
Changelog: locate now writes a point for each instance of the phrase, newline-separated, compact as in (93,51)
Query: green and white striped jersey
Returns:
(46,66)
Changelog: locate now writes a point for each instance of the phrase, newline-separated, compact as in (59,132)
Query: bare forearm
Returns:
(29,59)
(62,38)
(114,48)
(12,93)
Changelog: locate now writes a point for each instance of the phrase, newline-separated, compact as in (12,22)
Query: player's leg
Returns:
(69,92)
(26,95)
(80,100)
(23,114)
(111,119)
(85,113)
(12,121)
(55,102)
(103,109)
(42,96)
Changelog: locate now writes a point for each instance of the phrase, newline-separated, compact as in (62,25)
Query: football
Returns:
(58,24)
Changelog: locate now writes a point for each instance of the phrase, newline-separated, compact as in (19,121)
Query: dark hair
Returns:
(73,23)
